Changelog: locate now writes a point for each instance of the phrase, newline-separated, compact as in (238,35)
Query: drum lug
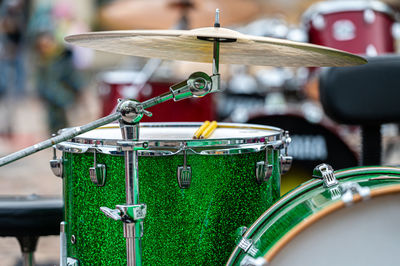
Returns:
(184,173)
(350,189)
(286,160)
(264,168)
(250,261)
(326,173)
(247,246)
(56,165)
(97,173)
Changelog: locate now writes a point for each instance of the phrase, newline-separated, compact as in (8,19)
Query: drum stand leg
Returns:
(132,231)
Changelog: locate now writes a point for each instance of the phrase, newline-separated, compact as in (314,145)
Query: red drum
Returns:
(360,27)
(119,84)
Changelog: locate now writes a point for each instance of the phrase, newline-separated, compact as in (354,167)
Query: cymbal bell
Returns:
(235,48)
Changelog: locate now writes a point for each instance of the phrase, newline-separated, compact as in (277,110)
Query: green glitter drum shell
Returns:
(193,226)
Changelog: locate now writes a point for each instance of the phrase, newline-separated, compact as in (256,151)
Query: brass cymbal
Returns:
(195,45)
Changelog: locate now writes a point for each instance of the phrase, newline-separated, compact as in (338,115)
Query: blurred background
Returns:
(47,85)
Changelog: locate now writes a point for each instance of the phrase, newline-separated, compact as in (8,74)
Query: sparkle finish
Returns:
(183,226)
(306,200)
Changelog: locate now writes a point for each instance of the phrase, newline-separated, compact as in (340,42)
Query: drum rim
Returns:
(331,7)
(277,247)
(305,187)
(164,147)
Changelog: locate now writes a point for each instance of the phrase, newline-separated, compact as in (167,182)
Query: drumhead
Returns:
(227,138)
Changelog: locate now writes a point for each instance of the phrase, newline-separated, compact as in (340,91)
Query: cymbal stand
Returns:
(197,85)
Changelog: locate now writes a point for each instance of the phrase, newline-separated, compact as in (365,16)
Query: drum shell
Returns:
(189,226)
(375,34)
(281,223)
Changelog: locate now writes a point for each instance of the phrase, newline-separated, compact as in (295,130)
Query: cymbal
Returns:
(165,14)
(235,47)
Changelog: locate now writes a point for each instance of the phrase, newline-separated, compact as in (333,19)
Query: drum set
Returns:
(148,193)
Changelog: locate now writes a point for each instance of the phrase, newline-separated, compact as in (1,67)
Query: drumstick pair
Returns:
(205,130)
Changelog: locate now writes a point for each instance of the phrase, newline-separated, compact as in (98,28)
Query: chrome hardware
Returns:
(97,172)
(286,160)
(110,213)
(197,85)
(350,189)
(73,239)
(325,172)
(184,173)
(72,262)
(127,145)
(263,168)
(56,165)
(247,246)
(250,261)
(132,111)
(126,213)
(63,244)
(132,213)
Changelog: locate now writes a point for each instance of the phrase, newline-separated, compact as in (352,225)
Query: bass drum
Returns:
(351,223)
(314,141)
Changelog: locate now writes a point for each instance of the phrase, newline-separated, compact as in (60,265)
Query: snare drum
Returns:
(114,85)
(351,223)
(360,27)
(184,226)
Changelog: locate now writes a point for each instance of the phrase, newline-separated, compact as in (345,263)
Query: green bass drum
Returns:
(186,223)
(354,221)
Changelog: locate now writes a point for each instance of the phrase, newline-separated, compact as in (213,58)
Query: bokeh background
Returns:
(46,84)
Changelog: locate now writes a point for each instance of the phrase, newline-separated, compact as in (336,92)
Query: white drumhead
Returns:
(182,131)
(366,233)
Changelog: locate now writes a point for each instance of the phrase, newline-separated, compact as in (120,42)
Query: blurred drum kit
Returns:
(178,200)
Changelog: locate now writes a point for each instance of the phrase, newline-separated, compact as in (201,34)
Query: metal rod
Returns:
(158,99)
(63,244)
(66,135)
(216,46)
(132,231)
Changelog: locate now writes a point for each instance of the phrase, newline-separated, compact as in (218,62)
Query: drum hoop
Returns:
(340,174)
(319,215)
(346,6)
(226,146)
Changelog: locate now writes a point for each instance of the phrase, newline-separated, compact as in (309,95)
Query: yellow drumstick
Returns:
(209,130)
(201,129)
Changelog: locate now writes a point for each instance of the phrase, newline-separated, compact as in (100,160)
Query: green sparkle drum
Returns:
(188,221)
(355,222)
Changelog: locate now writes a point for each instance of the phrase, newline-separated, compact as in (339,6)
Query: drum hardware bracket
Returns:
(326,173)
(184,173)
(126,213)
(247,246)
(286,160)
(350,189)
(250,261)
(127,145)
(56,165)
(72,262)
(264,168)
(97,172)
